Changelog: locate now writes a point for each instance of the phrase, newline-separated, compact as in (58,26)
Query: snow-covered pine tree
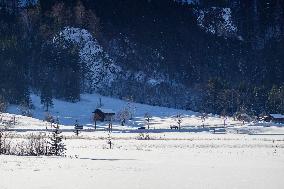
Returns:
(1,141)
(57,147)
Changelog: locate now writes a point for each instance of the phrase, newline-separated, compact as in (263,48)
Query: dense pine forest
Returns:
(209,56)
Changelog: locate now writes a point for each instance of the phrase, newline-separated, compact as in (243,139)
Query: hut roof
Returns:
(106,111)
(277,116)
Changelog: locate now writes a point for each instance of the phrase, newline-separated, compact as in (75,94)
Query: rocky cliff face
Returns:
(257,21)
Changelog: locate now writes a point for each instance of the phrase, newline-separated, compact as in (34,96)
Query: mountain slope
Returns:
(211,56)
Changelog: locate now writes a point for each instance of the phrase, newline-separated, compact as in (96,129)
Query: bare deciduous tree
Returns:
(147,117)
(123,115)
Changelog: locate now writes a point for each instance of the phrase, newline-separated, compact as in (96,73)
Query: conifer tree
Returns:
(57,147)
(46,98)
(1,141)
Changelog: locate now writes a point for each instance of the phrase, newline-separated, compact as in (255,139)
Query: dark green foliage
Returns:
(46,97)
(47,5)
(57,147)
(1,142)
(3,104)
(13,59)
(67,73)
(275,101)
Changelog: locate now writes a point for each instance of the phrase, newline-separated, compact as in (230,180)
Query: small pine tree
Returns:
(57,147)
(1,142)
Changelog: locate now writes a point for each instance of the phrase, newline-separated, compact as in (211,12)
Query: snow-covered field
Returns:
(168,160)
(249,155)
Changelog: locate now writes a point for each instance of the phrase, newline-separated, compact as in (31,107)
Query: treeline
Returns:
(160,39)
(219,97)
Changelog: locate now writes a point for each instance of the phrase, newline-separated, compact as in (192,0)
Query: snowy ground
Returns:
(249,155)
(169,160)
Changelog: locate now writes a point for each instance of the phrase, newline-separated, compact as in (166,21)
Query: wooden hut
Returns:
(276,118)
(103,115)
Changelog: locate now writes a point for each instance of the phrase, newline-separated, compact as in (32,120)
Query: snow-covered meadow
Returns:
(167,160)
(246,155)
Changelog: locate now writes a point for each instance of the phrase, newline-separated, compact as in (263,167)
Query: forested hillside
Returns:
(210,56)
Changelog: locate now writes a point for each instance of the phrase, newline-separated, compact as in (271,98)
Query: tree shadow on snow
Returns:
(105,159)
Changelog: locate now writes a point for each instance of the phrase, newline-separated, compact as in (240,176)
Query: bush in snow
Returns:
(37,145)
(2,142)
(5,142)
(143,136)
(34,145)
